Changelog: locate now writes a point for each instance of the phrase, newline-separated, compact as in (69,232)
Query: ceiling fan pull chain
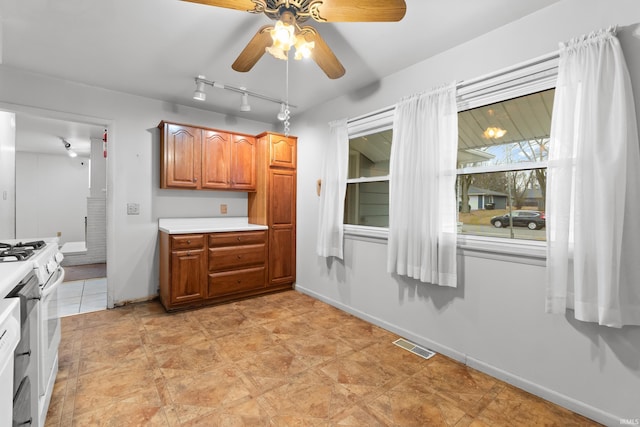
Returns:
(286,98)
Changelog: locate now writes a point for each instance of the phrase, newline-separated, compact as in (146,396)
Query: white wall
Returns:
(98,170)
(132,168)
(51,196)
(7,175)
(495,319)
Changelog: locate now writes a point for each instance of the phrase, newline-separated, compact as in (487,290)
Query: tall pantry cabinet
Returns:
(274,204)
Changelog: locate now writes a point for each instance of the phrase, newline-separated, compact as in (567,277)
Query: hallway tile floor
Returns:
(278,360)
(82,296)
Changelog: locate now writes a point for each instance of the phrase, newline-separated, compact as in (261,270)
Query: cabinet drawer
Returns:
(236,257)
(236,281)
(187,241)
(239,238)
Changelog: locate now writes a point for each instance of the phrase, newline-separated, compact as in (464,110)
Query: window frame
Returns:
(376,122)
(532,76)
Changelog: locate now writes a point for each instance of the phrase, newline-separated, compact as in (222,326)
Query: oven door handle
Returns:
(48,289)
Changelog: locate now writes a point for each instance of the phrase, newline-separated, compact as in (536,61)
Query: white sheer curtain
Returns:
(334,186)
(593,186)
(422,175)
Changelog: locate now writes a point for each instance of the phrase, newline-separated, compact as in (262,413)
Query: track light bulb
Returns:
(245,103)
(199,94)
(281,115)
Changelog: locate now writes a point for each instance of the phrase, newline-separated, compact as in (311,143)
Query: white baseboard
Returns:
(538,390)
(545,393)
(431,345)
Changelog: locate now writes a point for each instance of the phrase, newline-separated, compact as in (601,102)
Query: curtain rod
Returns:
(465,83)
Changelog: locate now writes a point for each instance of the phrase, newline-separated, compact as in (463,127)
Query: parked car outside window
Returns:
(533,220)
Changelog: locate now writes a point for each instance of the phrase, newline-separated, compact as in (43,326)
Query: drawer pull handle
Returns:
(239,256)
(188,242)
(239,238)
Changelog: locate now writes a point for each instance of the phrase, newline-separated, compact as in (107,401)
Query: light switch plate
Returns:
(223,209)
(133,209)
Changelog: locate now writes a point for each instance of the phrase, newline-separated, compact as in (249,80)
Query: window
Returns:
(367,198)
(502,153)
(504,125)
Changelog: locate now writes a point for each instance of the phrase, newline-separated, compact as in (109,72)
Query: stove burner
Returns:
(36,244)
(15,255)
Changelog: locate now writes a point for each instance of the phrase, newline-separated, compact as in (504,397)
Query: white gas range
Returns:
(42,257)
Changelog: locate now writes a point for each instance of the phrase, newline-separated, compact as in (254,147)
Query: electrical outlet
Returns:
(133,209)
(223,209)
(59,233)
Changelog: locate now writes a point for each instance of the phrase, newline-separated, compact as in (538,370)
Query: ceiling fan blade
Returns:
(322,54)
(245,5)
(254,50)
(358,10)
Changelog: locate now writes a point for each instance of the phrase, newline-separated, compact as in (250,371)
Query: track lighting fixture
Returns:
(283,115)
(199,94)
(67,146)
(244,106)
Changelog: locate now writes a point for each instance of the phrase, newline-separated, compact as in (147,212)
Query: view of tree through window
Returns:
(502,175)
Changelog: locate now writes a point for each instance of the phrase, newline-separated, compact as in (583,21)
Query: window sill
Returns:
(512,250)
(366,233)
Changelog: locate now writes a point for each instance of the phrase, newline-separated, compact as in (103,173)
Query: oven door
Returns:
(49,338)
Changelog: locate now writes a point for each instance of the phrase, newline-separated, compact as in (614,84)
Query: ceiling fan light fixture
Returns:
(303,48)
(494,133)
(283,36)
(276,52)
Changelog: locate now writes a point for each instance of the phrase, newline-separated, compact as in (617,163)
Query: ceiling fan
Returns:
(286,33)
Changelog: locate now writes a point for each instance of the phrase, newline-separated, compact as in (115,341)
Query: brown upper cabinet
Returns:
(201,158)
(282,151)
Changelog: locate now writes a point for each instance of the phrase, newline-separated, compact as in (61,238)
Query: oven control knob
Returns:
(51,266)
(59,257)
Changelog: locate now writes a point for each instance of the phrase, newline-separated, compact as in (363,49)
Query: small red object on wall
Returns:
(104,144)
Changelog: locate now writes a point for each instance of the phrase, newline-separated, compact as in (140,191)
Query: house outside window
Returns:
(502,154)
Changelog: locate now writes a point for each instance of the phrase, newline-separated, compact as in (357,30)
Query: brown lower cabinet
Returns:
(210,268)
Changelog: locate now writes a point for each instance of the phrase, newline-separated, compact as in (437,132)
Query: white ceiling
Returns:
(155,48)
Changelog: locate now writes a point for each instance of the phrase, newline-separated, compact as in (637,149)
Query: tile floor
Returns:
(82,296)
(279,360)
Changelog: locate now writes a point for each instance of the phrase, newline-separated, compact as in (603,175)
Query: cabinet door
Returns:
(182,157)
(243,161)
(282,261)
(216,162)
(188,275)
(282,226)
(283,151)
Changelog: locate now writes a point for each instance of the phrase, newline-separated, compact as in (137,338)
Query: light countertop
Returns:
(207,225)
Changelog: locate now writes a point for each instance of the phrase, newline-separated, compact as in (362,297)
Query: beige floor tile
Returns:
(279,360)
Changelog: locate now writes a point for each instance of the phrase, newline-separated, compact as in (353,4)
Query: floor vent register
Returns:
(414,348)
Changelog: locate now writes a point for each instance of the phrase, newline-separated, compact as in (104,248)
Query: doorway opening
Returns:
(61,193)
